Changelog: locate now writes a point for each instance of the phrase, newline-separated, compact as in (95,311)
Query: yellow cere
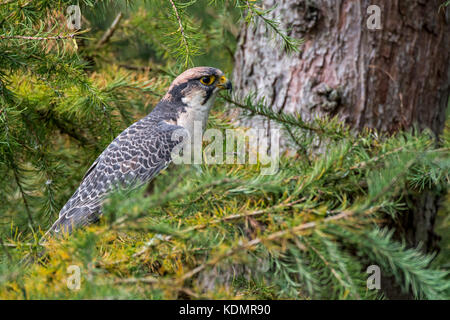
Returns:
(222,80)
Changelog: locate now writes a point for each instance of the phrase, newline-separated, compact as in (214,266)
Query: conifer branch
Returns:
(109,33)
(58,37)
(290,44)
(181,30)
(272,237)
(295,120)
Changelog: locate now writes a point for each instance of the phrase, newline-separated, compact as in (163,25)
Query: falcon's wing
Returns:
(136,156)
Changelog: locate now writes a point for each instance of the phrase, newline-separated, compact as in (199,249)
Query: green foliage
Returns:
(215,231)
(254,11)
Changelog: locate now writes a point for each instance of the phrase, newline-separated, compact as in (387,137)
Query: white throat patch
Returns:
(195,111)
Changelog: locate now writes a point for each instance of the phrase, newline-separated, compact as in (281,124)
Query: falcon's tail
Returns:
(73,218)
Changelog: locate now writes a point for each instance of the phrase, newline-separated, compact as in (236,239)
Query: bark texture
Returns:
(388,79)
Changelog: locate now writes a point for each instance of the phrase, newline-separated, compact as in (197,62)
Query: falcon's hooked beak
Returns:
(224,83)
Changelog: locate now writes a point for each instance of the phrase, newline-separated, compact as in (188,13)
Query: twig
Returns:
(303,150)
(58,37)
(374,159)
(333,271)
(63,128)
(275,118)
(240,216)
(150,280)
(160,201)
(108,34)
(13,245)
(7,2)
(183,36)
(273,236)
(289,43)
(224,219)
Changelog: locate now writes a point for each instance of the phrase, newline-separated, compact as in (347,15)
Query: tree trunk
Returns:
(389,78)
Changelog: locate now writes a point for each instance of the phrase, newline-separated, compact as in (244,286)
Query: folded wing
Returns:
(135,157)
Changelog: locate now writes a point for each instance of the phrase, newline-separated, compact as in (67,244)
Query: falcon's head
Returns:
(197,86)
(191,96)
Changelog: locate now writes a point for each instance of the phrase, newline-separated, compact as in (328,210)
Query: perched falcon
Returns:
(142,150)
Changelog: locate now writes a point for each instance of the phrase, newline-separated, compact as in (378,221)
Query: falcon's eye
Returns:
(208,80)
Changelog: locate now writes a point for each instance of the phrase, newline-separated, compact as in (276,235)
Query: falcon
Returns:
(142,150)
